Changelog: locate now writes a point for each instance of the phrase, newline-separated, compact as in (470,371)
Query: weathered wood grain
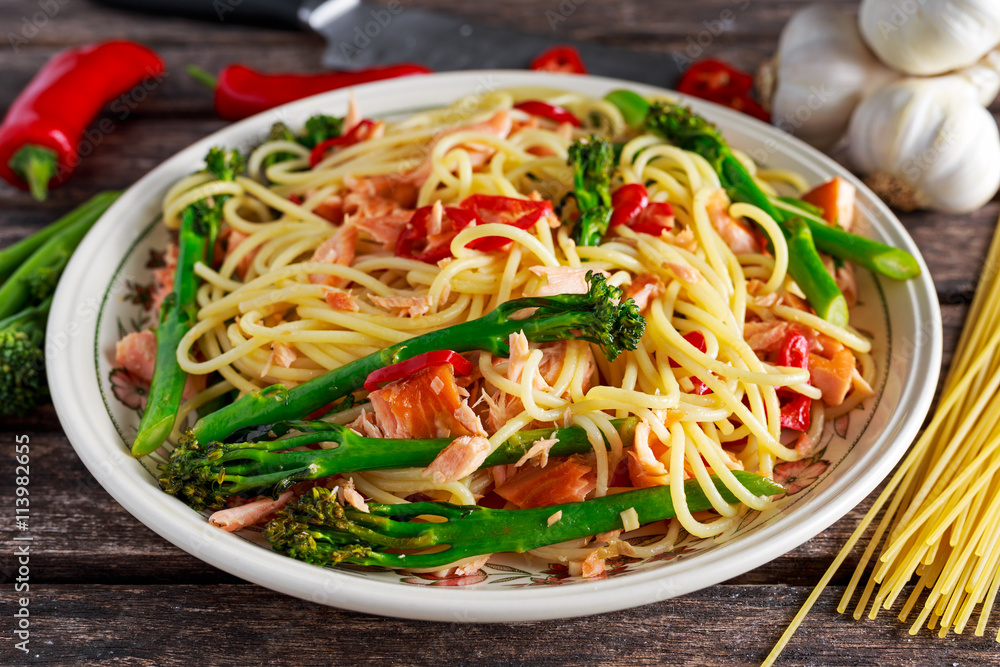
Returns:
(727,626)
(105,588)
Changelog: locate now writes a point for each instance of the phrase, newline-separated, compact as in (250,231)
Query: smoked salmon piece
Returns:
(836,198)
(832,376)
(425,405)
(136,353)
(567,482)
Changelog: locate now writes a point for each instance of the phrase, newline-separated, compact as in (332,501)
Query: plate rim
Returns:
(170,518)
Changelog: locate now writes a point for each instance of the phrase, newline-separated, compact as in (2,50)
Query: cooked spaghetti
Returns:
(311,273)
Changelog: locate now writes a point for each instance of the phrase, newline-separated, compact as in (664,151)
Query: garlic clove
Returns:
(927,143)
(821,70)
(927,37)
(985,76)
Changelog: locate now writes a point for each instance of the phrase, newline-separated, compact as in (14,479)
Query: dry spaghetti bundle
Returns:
(941,526)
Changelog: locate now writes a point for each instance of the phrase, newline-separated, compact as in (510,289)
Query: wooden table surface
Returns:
(105,587)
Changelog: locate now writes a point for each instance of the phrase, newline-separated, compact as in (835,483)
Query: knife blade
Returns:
(361,34)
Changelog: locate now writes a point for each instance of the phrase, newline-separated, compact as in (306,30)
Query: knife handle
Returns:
(272,13)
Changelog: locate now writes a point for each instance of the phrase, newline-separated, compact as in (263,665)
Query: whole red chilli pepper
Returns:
(41,133)
(565,59)
(241,92)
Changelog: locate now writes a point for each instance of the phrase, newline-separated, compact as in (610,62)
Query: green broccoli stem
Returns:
(805,272)
(30,320)
(37,165)
(319,530)
(177,316)
(13,256)
(52,254)
(878,257)
(804,263)
(22,359)
(267,466)
(559,317)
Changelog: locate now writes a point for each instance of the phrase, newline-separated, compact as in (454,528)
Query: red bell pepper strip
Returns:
(403,369)
(794,350)
(474,210)
(795,414)
(710,78)
(41,134)
(241,91)
(631,207)
(794,353)
(565,59)
(697,339)
(550,111)
(656,217)
(520,213)
(357,133)
(414,241)
(715,81)
(627,202)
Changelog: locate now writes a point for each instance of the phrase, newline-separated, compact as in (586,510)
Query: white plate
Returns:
(95,302)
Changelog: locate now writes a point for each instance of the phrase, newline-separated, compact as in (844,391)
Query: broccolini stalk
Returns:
(593,161)
(34,268)
(596,317)
(689,131)
(319,530)
(22,359)
(204,476)
(319,128)
(279,132)
(200,224)
(878,257)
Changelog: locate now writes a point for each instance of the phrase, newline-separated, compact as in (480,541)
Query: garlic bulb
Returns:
(925,37)
(822,70)
(927,143)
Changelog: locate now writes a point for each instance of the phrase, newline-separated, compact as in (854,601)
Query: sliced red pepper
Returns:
(403,369)
(656,217)
(474,210)
(415,243)
(550,111)
(627,202)
(718,82)
(795,413)
(520,213)
(565,59)
(356,134)
(697,339)
(795,409)
(794,350)
(632,208)
(711,77)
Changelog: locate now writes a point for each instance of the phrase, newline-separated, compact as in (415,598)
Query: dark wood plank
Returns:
(132,625)
(107,588)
